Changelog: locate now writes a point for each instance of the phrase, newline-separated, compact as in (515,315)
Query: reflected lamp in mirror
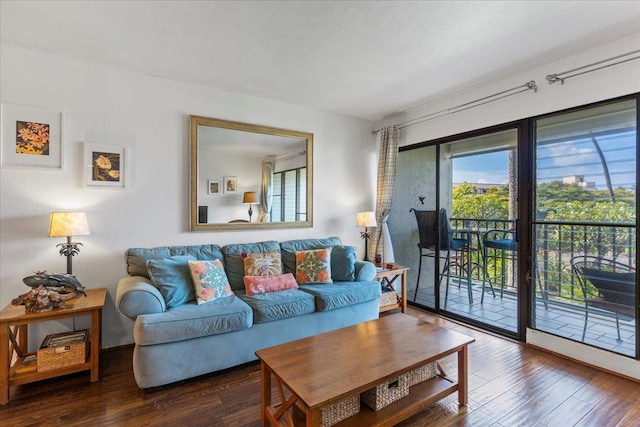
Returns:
(67,224)
(249,198)
(366,220)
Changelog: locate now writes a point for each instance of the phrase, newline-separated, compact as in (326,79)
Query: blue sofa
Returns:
(186,340)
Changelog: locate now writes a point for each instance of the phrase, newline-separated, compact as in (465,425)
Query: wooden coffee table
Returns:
(327,368)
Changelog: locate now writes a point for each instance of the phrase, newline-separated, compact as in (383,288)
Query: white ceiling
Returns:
(357,58)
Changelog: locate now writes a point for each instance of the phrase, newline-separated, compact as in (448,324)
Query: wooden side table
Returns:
(14,324)
(387,277)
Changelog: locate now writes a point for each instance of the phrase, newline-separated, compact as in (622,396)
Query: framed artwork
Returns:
(31,137)
(230,184)
(214,186)
(104,165)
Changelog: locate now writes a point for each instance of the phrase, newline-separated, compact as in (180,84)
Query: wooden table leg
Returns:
(403,307)
(96,321)
(265,400)
(4,364)
(463,376)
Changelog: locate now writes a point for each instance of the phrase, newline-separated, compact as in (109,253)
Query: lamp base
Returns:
(366,250)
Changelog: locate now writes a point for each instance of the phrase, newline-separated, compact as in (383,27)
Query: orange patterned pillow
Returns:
(254,285)
(262,264)
(313,266)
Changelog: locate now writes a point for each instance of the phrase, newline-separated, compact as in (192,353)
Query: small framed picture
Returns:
(230,184)
(214,187)
(31,137)
(104,165)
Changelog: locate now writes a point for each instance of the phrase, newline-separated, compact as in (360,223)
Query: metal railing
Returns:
(555,244)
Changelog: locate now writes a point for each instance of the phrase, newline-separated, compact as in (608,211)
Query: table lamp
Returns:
(67,224)
(366,219)
(249,198)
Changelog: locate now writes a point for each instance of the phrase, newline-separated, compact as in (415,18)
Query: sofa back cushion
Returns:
(290,247)
(234,255)
(137,257)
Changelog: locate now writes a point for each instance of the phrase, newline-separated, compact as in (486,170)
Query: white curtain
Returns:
(266,191)
(387,159)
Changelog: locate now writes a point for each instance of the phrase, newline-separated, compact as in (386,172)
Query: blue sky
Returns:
(555,161)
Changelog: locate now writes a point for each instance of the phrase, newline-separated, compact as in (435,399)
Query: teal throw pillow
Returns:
(343,263)
(172,277)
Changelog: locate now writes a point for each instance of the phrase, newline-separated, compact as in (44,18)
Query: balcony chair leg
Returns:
(619,340)
(586,318)
(415,295)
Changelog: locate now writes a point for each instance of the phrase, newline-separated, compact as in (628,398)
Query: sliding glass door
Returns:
(479,195)
(584,226)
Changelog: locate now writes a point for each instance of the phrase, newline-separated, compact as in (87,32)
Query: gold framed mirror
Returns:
(245,176)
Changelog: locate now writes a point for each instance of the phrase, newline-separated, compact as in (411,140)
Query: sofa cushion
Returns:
(336,295)
(234,261)
(278,305)
(254,285)
(313,266)
(137,257)
(191,320)
(343,263)
(289,248)
(172,278)
(209,280)
(263,264)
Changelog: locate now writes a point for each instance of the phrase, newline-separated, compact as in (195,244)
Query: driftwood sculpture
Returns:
(42,299)
(48,291)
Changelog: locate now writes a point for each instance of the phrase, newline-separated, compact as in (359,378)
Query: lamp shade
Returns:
(64,224)
(366,219)
(250,197)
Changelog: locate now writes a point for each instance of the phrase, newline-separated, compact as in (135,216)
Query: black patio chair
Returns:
(608,287)
(504,245)
(428,233)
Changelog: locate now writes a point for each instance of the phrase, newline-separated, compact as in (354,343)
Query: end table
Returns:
(387,277)
(14,324)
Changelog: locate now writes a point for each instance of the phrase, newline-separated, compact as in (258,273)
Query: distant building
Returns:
(579,180)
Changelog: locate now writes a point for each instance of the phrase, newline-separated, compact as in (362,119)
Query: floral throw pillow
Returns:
(209,280)
(262,264)
(313,266)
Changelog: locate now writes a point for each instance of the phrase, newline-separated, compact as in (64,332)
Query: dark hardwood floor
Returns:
(510,385)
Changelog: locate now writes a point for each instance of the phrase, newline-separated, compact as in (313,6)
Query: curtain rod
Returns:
(292,156)
(558,77)
(468,105)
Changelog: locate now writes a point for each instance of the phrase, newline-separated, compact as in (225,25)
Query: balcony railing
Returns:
(555,244)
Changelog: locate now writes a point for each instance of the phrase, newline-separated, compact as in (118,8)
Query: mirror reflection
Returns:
(249,176)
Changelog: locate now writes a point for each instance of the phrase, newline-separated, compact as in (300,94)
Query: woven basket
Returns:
(65,349)
(388,298)
(421,374)
(383,394)
(339,411)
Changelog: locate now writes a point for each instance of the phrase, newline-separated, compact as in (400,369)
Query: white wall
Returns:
(149,115)
(600,85)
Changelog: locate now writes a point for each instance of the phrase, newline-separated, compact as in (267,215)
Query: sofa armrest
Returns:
(136,295)
(365,271)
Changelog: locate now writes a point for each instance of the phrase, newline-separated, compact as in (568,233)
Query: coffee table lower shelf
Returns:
(420,396)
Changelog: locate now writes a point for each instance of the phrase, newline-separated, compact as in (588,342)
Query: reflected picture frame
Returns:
(32,137)
(105,165)
(214,186)
(230,184)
